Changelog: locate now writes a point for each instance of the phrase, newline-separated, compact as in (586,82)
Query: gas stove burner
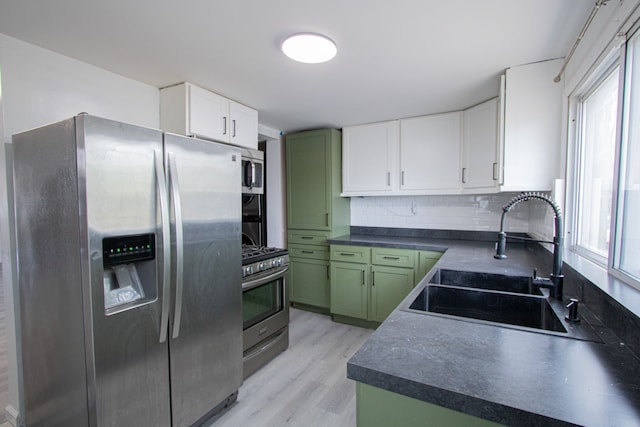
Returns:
(255,253)
(260,259)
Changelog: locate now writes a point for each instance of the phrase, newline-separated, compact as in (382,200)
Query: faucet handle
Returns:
(573,310)
(535,273)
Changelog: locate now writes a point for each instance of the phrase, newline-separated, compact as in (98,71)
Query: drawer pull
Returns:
(392,257)
(307,237)
(347,254)
(308,252)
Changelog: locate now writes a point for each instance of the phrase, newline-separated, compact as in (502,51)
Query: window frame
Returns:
(615,57)
(622,135)
(587,88)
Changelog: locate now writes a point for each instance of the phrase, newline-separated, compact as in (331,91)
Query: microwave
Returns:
(252,171)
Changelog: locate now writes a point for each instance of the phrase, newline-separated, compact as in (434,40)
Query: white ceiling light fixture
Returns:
(309,48)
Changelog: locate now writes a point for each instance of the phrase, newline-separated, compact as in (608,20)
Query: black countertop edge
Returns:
(470,405)
(420,233)
(415,243)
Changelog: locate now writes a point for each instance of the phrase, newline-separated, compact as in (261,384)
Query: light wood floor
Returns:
(305,385)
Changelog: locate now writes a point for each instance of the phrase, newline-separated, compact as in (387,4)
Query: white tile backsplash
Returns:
(458,212)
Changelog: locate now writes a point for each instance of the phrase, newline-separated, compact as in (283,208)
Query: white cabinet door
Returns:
(480,147)
(190,110)
(244,125)
(369,158)
(208,114)
(430,154)
(532,127)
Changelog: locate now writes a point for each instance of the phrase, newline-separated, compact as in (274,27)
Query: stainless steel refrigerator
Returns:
(129,275)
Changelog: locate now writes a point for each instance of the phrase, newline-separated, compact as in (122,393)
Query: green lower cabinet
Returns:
(309,282)
(376,407)
(389,286)
(349,289)
(426,261)
(368,283)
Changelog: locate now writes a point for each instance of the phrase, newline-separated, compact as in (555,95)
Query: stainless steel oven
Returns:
(265,305)
(254,230)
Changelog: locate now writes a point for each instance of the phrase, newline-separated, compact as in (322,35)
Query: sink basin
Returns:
(518,310)
(496,282)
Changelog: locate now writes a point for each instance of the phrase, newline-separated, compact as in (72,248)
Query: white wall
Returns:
(39,87)
(276,194)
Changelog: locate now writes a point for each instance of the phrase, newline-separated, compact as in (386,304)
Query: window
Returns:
(606,201)
(626,257)
(598,112)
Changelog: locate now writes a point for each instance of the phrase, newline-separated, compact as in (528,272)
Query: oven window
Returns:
(261,302)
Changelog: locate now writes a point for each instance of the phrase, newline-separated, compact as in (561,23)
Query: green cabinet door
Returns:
(376,407)
(309,281)
(349,287)
(389,286)
(426,261)
(309,180)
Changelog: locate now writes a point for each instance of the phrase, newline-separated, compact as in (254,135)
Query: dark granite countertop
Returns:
(510,376)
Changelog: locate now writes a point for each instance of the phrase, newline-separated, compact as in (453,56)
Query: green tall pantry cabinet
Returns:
(315,212)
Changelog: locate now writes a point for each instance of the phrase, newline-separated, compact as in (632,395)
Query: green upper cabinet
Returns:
(314,172)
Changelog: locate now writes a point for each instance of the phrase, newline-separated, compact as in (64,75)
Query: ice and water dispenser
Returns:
(129,271)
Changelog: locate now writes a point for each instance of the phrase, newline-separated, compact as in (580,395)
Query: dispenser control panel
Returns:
(125,249)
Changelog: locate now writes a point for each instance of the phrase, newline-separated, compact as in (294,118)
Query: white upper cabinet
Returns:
(190,110)
(243,126)
(532,127)
(480,148)
(413,156)
(369,158)
(430,154)
(509,143)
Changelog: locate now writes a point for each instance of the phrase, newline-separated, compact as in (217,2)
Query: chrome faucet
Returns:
(555,281)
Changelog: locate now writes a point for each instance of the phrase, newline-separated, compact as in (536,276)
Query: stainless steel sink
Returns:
(495,299)
(528,311)
(490,281)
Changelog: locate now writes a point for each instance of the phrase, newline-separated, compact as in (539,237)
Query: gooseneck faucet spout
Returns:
(555,282)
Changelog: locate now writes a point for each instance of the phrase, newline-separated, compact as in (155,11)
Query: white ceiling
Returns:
(396,58)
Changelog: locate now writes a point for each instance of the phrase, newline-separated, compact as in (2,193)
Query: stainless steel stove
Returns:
(265,305)
(257,259)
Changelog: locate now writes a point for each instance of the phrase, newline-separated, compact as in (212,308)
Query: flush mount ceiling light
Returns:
(309,48)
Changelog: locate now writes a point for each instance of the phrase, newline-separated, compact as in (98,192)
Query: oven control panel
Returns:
(267,264)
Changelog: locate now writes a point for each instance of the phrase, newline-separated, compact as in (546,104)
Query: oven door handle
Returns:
(261,281)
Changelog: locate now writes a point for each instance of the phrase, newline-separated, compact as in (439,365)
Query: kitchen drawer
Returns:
(348,253)
(309,237)
(393,257)
(320,252)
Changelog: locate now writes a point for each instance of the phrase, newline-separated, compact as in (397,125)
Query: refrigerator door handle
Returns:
(177,206)
(166,244)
